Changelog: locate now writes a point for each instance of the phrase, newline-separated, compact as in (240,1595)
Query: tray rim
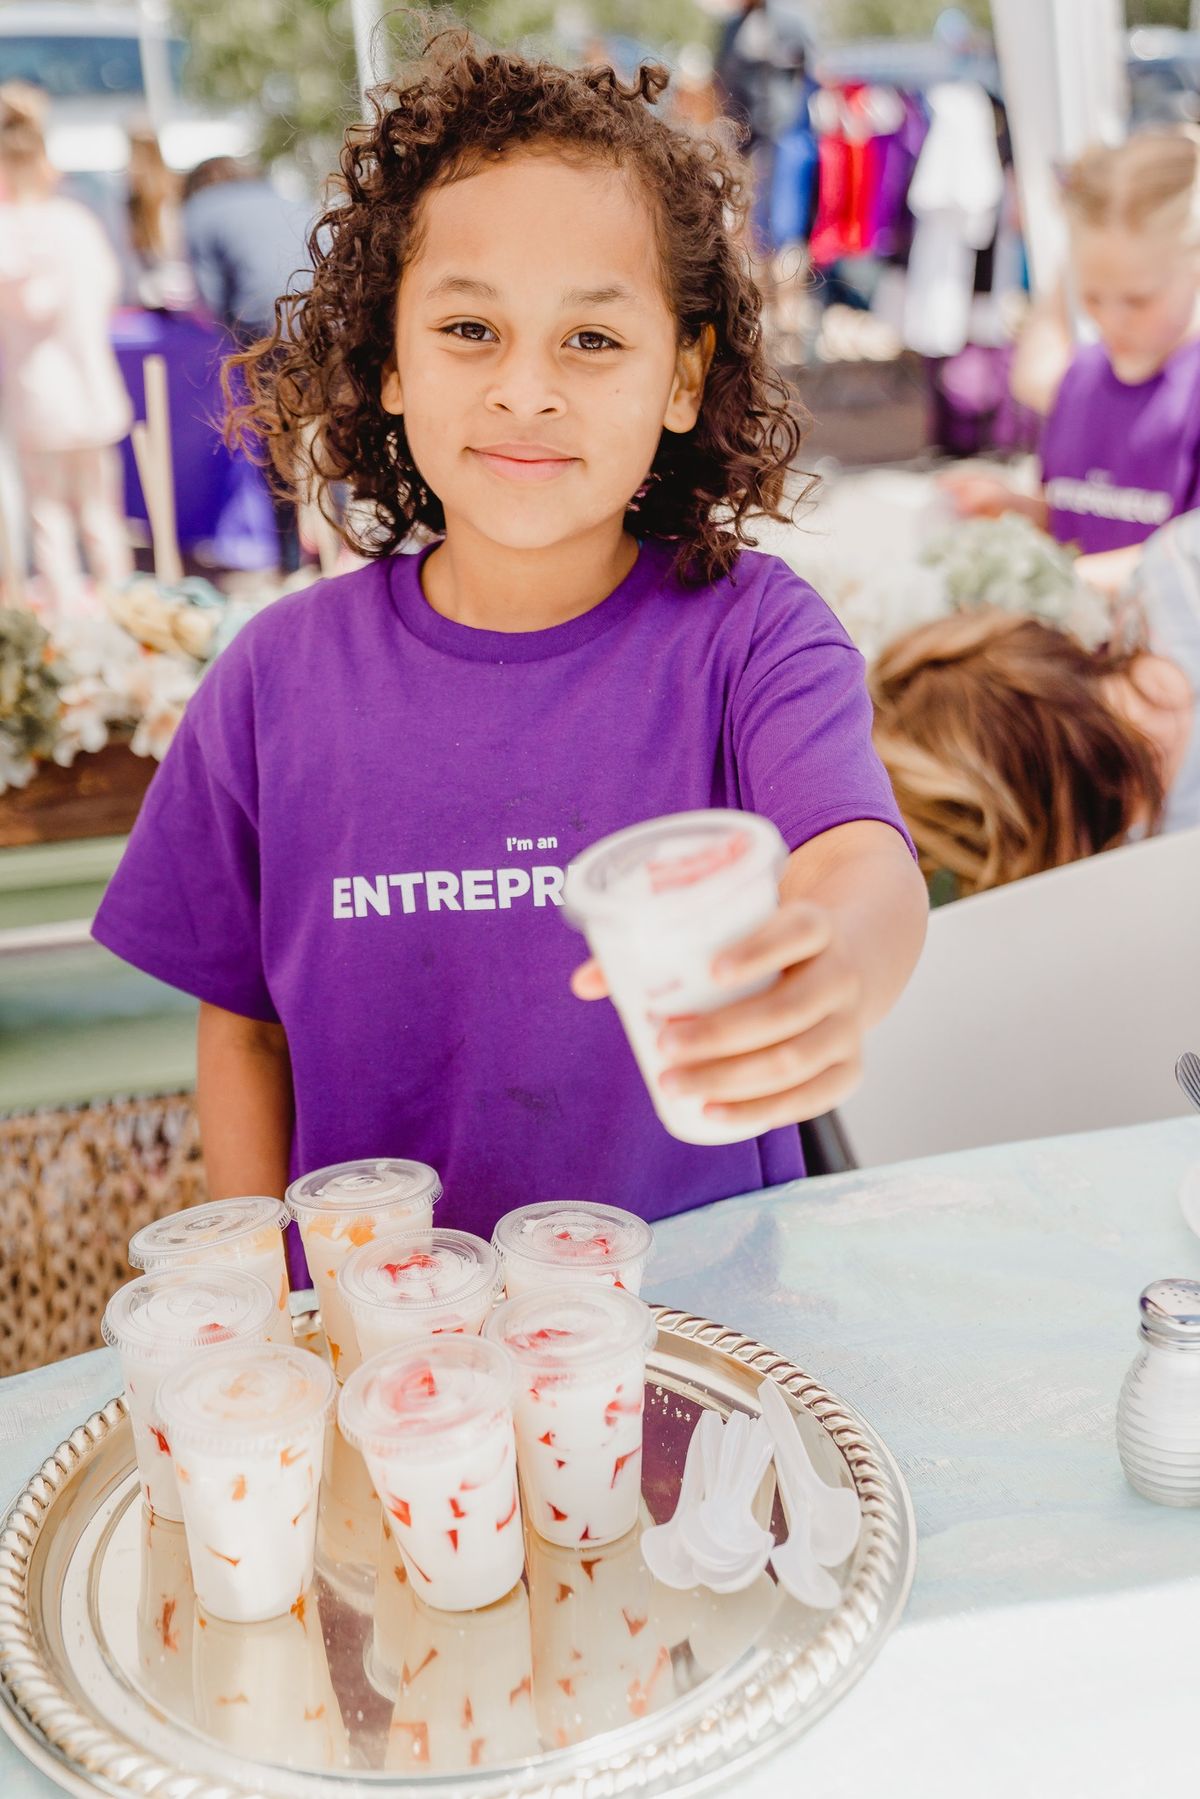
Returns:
(797,1685)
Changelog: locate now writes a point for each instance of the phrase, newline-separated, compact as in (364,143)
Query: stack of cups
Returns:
(434,1422)
(428,1283)
(559,1240)
(156,1324)
(581,1359)
(658,903)
(248,1433)
(339,1209)
(240,1233)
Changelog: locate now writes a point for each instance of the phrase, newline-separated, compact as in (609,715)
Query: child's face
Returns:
(536,359)
(1139,289)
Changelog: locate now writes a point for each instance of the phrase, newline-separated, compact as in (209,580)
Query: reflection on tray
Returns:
(364,1675)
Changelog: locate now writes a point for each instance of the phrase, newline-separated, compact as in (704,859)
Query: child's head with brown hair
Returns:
(1134,216)
(528,313)
(1006,750)
(24,165)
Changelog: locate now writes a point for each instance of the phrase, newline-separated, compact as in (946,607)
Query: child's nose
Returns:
(526,383)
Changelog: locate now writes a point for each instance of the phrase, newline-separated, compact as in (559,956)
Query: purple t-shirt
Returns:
(361,830)
(1119,459)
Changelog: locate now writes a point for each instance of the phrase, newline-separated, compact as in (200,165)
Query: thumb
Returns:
(588,981)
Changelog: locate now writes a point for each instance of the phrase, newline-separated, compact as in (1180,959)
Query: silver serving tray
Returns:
(590,1680)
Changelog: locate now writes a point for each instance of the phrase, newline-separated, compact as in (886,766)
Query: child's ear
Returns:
(691,372)
(391,397)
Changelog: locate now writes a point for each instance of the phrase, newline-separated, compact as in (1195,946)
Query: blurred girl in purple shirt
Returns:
(1120,453)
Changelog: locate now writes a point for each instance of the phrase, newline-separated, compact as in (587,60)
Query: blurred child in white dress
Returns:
(65,407)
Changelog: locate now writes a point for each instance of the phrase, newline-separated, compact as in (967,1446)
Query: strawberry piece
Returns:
(623,1461)
(587,1568)
(310,1717)
(558,1463)
(468,1713)
(163,1445)
(511,1514)
(566,1682)
(621,1408)
(407,1678)
(456,1510)
(477,1747)
(526,1688)
(298,1612)
(170,1637)
(633,1625)
(547,1438)
(559,1517)
(420,1260)
(564,1592)
(233,1560)
(239,1488)
(453,1536)
(399,1510)
(289,1457)
(587,1534)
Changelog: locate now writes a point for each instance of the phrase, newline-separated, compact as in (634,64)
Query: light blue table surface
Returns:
(979,1310)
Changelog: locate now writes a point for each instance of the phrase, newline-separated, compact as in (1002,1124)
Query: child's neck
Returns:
(474,581)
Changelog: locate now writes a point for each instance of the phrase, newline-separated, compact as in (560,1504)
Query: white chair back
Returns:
(1056,1004)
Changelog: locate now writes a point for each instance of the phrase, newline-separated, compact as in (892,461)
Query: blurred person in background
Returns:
(1014,747)
(160,277)
(65,407)
(246,243)
(1120,453)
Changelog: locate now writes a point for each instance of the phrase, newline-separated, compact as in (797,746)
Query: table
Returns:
(980,1310)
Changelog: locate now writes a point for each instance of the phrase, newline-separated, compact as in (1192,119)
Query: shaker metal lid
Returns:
(1171,1313)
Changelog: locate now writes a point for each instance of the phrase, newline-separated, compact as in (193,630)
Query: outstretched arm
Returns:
(244,1097)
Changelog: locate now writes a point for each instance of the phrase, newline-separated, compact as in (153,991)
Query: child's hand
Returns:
(977,496)
(789,1053)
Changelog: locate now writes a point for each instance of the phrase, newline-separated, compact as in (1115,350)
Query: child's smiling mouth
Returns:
(524,461)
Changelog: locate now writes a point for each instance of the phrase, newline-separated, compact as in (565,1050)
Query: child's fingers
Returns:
(797,931)
(754,1116)
(764,1073)
(588,982)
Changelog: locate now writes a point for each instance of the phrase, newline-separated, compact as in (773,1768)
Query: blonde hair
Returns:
(1150,182)
(22,111)
(1005,753)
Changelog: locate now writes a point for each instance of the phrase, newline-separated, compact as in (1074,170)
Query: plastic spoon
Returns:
(662,1545)
(834,1512)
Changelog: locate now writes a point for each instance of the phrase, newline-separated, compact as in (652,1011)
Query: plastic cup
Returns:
(657,903)
(156,1324)
(560,1240)
(265,1691)
(339,1209)
(434,1422)
(348,1523)
(244,1233)
(424,1283)
(464,1697)
(603,1659)
(248,1430)
(581,1360)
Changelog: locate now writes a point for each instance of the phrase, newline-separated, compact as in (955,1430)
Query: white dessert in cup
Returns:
(434,1422)
(158,1323)
(341,1208)
(464,1698)
(603,1659)
(581,1360)
(572,1240)
(265,1690)
(245,1233)
(414,1284)
(657,903)
(248,1432)
(166,1606)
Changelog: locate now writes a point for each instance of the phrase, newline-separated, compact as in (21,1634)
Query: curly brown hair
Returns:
(314,383)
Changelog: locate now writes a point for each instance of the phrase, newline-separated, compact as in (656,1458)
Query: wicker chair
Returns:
(74,1186)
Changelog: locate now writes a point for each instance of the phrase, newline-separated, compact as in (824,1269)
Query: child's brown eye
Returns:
(592,341)
(471,331)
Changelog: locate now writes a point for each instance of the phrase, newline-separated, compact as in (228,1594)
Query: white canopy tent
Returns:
(1062,68)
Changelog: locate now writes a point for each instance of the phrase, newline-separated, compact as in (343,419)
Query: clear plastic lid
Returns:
(572,1329)
(351,1188)
(425,1396)
(162,1315)
(255,1397)
(421,1270)
(200,1228)
(686,861)
(576,1236)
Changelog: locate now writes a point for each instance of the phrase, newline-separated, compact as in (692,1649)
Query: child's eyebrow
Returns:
(576,296)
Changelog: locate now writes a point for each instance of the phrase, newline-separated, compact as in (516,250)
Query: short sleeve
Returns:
(184,903)
(802,719)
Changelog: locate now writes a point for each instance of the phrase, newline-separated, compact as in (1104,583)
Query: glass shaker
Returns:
(1158,1413)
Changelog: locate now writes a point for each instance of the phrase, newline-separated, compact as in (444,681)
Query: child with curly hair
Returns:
(530,342)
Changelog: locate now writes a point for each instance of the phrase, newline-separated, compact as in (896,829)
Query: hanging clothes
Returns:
(955,197)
